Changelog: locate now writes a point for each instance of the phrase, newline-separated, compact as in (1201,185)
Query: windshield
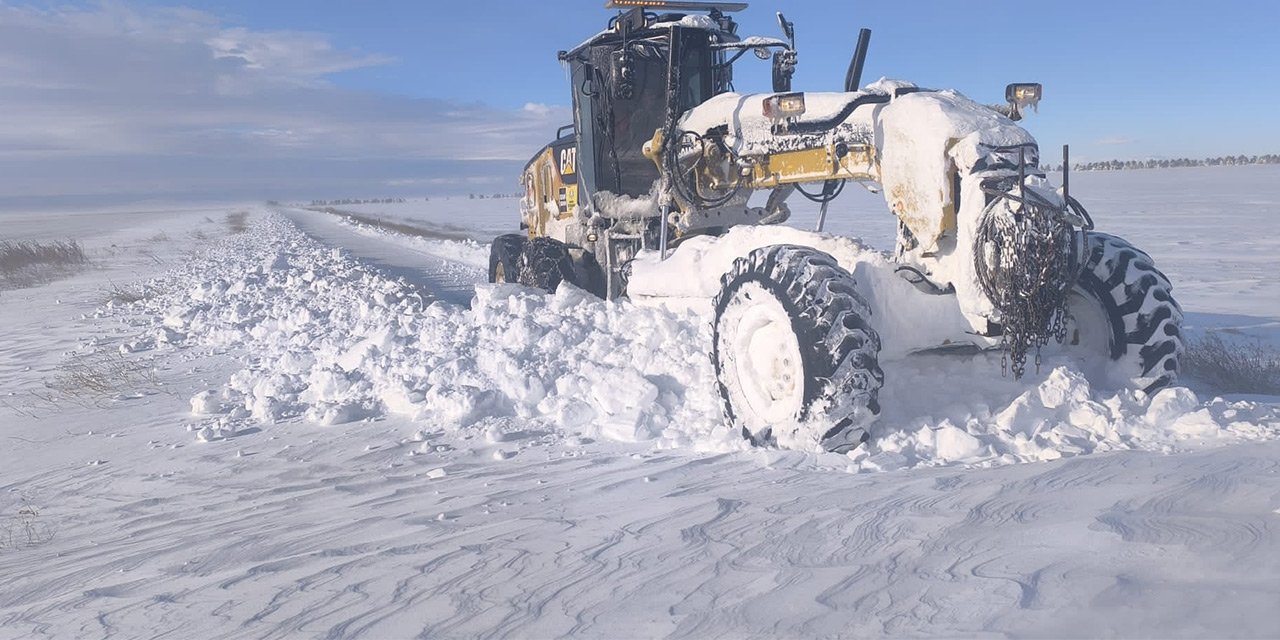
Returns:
(614,130)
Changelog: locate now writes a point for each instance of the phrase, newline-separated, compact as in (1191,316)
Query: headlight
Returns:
(784,105)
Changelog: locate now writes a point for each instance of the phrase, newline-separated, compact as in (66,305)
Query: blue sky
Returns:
(307,99)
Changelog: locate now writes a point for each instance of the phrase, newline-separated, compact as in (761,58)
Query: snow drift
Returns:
(329,340)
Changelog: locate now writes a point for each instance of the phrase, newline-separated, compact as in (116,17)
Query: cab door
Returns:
(546,197)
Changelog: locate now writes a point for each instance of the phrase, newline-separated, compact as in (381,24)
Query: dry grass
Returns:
(92,379)
(25,528)
(238,222)
(128,294)
(27,263)
(1234,366)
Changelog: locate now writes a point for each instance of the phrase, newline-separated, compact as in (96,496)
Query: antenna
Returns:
(853,78)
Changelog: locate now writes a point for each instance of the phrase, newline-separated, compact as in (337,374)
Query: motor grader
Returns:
(649,194)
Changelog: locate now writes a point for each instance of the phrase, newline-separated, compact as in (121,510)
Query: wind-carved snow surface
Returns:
(332,341)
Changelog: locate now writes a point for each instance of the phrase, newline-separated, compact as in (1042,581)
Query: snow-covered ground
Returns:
(314,428)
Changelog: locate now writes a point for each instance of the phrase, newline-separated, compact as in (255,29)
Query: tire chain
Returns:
(1026,262)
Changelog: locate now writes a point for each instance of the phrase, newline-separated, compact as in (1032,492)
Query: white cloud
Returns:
(287,55)
(117,81)
(537,108)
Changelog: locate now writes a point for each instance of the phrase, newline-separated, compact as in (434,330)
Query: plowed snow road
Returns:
(437,268)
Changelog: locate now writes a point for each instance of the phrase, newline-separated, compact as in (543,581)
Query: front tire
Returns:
(505,254)
(796,360)
(1123,307)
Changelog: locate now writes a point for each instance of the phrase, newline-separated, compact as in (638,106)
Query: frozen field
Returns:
(302,427)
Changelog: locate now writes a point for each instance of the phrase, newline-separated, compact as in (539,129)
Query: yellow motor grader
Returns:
(648,194)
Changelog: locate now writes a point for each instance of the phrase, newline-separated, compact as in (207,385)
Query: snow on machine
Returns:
(648,194)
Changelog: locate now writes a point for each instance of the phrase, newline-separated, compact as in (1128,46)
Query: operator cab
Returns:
(622,89)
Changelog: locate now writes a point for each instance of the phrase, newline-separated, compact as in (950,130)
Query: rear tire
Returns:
(505,254)
(796,360)
(1137,322)
(545,263)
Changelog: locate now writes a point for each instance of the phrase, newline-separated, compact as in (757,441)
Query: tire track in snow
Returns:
(441,277)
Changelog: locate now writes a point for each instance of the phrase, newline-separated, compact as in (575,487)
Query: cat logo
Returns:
(568,161)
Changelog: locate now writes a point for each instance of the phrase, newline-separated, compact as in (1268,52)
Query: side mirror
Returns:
(788,29)
(784,61)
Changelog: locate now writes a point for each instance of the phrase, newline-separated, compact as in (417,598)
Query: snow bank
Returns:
(938,414)
(329,340)
(333,341)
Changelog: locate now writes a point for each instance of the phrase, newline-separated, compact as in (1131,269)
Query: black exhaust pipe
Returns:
(853,79)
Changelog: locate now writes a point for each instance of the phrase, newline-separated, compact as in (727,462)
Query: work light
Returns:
(784,105)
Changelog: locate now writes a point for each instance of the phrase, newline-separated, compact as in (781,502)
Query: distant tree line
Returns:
(342,201)
(481,196)
(325,203)
(1120,165)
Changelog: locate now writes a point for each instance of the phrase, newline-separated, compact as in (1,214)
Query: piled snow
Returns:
(751,132)
(330,340)
(333,341)
(625,207)
(1060,416)
(761,41)
(691,21)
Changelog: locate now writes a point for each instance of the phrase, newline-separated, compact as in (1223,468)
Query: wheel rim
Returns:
(1088,329)
(765,358)
(1088,340)
(499,273)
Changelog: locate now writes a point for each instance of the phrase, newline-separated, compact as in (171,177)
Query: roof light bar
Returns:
(678,5)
